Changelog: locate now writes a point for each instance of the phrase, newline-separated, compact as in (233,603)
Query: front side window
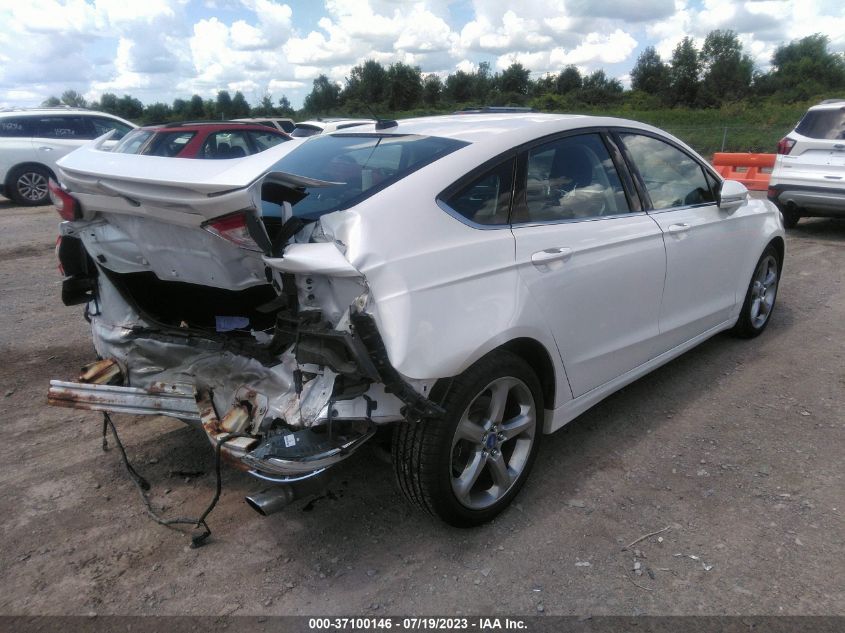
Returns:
(359,165)
(671,177)
(225,144)
(105,124)
(265,140)
(571,178)
(486,200)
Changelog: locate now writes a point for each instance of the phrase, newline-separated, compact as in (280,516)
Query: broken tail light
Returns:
(66,204)
(785,145)
(234,228)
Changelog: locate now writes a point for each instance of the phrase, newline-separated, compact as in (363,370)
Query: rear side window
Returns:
(62,127)
(104,124)
(19,127)
(359,164)
(823,124)
(671,177)
(571,178)
(168,143)
(486,200)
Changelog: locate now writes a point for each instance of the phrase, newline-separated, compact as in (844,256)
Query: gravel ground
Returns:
(736,447)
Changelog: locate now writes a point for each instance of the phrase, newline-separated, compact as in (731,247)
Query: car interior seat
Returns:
(572,168)
(223,150)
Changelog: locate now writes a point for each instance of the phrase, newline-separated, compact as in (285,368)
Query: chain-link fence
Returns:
(729,138)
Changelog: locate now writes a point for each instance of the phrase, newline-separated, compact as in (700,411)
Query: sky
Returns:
(159,50)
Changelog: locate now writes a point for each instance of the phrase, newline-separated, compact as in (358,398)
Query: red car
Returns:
(203,139)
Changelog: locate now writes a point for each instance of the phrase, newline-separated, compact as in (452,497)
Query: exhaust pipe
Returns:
(272,500)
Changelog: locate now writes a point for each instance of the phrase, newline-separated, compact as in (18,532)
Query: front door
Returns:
(702,243)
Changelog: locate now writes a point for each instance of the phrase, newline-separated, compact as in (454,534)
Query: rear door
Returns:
(16,139)
(56,135)
(703,243)
(593,260)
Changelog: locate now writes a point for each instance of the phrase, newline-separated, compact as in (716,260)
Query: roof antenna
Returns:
(381,124)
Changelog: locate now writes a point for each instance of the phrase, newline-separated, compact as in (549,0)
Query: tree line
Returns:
(718,73)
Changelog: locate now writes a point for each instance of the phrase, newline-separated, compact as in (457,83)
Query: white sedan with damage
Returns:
(466,283)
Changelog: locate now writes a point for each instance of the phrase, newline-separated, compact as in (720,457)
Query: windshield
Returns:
(361,164)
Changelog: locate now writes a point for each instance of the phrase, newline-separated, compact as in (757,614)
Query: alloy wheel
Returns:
(492,443)
(763,290)
(32,186)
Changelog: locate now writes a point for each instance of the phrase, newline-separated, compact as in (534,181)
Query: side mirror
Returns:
(732,196)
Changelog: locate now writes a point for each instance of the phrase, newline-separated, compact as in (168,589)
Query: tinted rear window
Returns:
(362,164)
(15,127)
(823,124)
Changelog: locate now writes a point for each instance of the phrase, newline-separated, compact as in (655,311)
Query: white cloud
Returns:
(162,49)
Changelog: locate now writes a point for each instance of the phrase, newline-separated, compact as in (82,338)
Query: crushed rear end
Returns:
(256,329)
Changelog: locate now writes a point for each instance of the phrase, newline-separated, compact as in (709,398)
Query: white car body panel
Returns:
(703,247)
(627,294)
(601,299)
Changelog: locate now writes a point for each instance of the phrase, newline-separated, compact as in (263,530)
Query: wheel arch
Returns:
(780,247)
(28,163)
(535,354)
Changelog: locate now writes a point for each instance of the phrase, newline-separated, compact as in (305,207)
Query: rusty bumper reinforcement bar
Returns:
(176,401)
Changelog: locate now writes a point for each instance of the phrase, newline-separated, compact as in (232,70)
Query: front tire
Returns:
(467,466)
(790,217)
(761,295)
(28,185)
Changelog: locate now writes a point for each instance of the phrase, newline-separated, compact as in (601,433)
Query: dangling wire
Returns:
(143,485)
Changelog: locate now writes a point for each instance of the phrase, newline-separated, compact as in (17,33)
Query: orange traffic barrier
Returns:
(752,170)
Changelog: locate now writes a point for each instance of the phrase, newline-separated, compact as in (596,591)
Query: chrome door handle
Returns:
(678,228)
(559,253)
(44,148)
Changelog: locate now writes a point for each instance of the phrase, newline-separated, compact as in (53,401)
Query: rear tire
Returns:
(27,185)
(761,295)
(467,466)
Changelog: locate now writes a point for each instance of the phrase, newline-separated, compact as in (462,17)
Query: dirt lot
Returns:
(737,447)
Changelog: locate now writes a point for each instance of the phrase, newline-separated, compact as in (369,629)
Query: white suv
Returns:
(32,140)
(809,174)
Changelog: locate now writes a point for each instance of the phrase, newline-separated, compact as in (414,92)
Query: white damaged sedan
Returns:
(472,281)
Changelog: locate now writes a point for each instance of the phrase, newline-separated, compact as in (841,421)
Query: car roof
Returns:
(263,118)
(500,131)
(213,126)
(321,123)
(829,104)
(54,110)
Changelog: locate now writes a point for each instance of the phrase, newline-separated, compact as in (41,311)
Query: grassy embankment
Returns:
(742,127)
